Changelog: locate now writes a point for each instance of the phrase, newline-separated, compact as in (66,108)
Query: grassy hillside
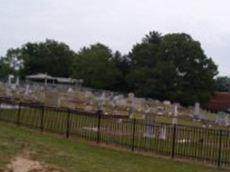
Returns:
(72,155)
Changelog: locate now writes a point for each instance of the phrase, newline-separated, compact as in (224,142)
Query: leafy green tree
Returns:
(122,62)
(172,67)
(223,84)
(96,67)
(144,57)
(51,57)
(195,72)
(5,69)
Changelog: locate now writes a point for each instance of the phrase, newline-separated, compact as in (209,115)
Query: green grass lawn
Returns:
(78,156)
(114,132)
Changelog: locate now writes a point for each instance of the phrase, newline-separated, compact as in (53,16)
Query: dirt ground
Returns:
(22,163)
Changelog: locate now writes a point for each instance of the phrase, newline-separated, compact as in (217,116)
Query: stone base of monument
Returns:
(147,135)
(183,141)
(90,129)
(196,118)
(174,121)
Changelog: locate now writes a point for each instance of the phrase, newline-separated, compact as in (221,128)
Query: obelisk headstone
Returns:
(163,132)
(131,103)
(175,120)
(196,113)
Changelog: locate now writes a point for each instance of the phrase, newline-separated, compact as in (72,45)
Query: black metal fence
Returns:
(210,146)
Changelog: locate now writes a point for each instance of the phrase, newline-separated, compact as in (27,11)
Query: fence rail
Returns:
(210,146)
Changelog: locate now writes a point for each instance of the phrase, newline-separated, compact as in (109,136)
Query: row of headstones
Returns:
(135,104)
(115,100)
(150,123)
(130,101)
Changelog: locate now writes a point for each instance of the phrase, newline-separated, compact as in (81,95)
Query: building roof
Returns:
(65,80)
(39,76)
(42,76)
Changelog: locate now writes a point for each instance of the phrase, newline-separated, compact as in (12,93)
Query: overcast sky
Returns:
(117,23)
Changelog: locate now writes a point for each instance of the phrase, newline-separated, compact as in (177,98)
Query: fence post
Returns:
(19,114)
(68,124)
(99,113)
(173,141)
(0,109)
(133,136)
(220,148)
(42,118)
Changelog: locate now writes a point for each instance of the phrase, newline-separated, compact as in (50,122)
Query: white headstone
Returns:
(27,91)
(17,81)
(10,77)
(131,97)
(59,101)
(175,120)
(149,126)
(226,120)
(197,109)
(70,90)
(163,132)
(167,103)
(101,101)
(175,110)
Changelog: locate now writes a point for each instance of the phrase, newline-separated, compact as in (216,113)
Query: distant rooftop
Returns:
(48,78)
(220,102)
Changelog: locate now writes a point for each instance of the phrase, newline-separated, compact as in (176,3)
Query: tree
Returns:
(172,67)
(223,84)
(5,69)
(51,57)
(152,38)
(122,63)
(143,58)
(95,66)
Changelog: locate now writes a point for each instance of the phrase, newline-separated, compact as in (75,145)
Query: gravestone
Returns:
(223,119)
(196,112)
(163,131)
(131,97)
(70,90)
(10,77)
(11,85)
(175,120)
(149,126)
(88,100)
(167,103)
(27,91)
(88,108)
(101,102)
(226,120)
(220,120)
(17,81)
(59,101)
(113,106)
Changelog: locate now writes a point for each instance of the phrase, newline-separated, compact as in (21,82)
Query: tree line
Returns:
(171,66)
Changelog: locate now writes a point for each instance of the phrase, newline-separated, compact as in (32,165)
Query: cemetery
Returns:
(75,96)
(115,86)
(136,124)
